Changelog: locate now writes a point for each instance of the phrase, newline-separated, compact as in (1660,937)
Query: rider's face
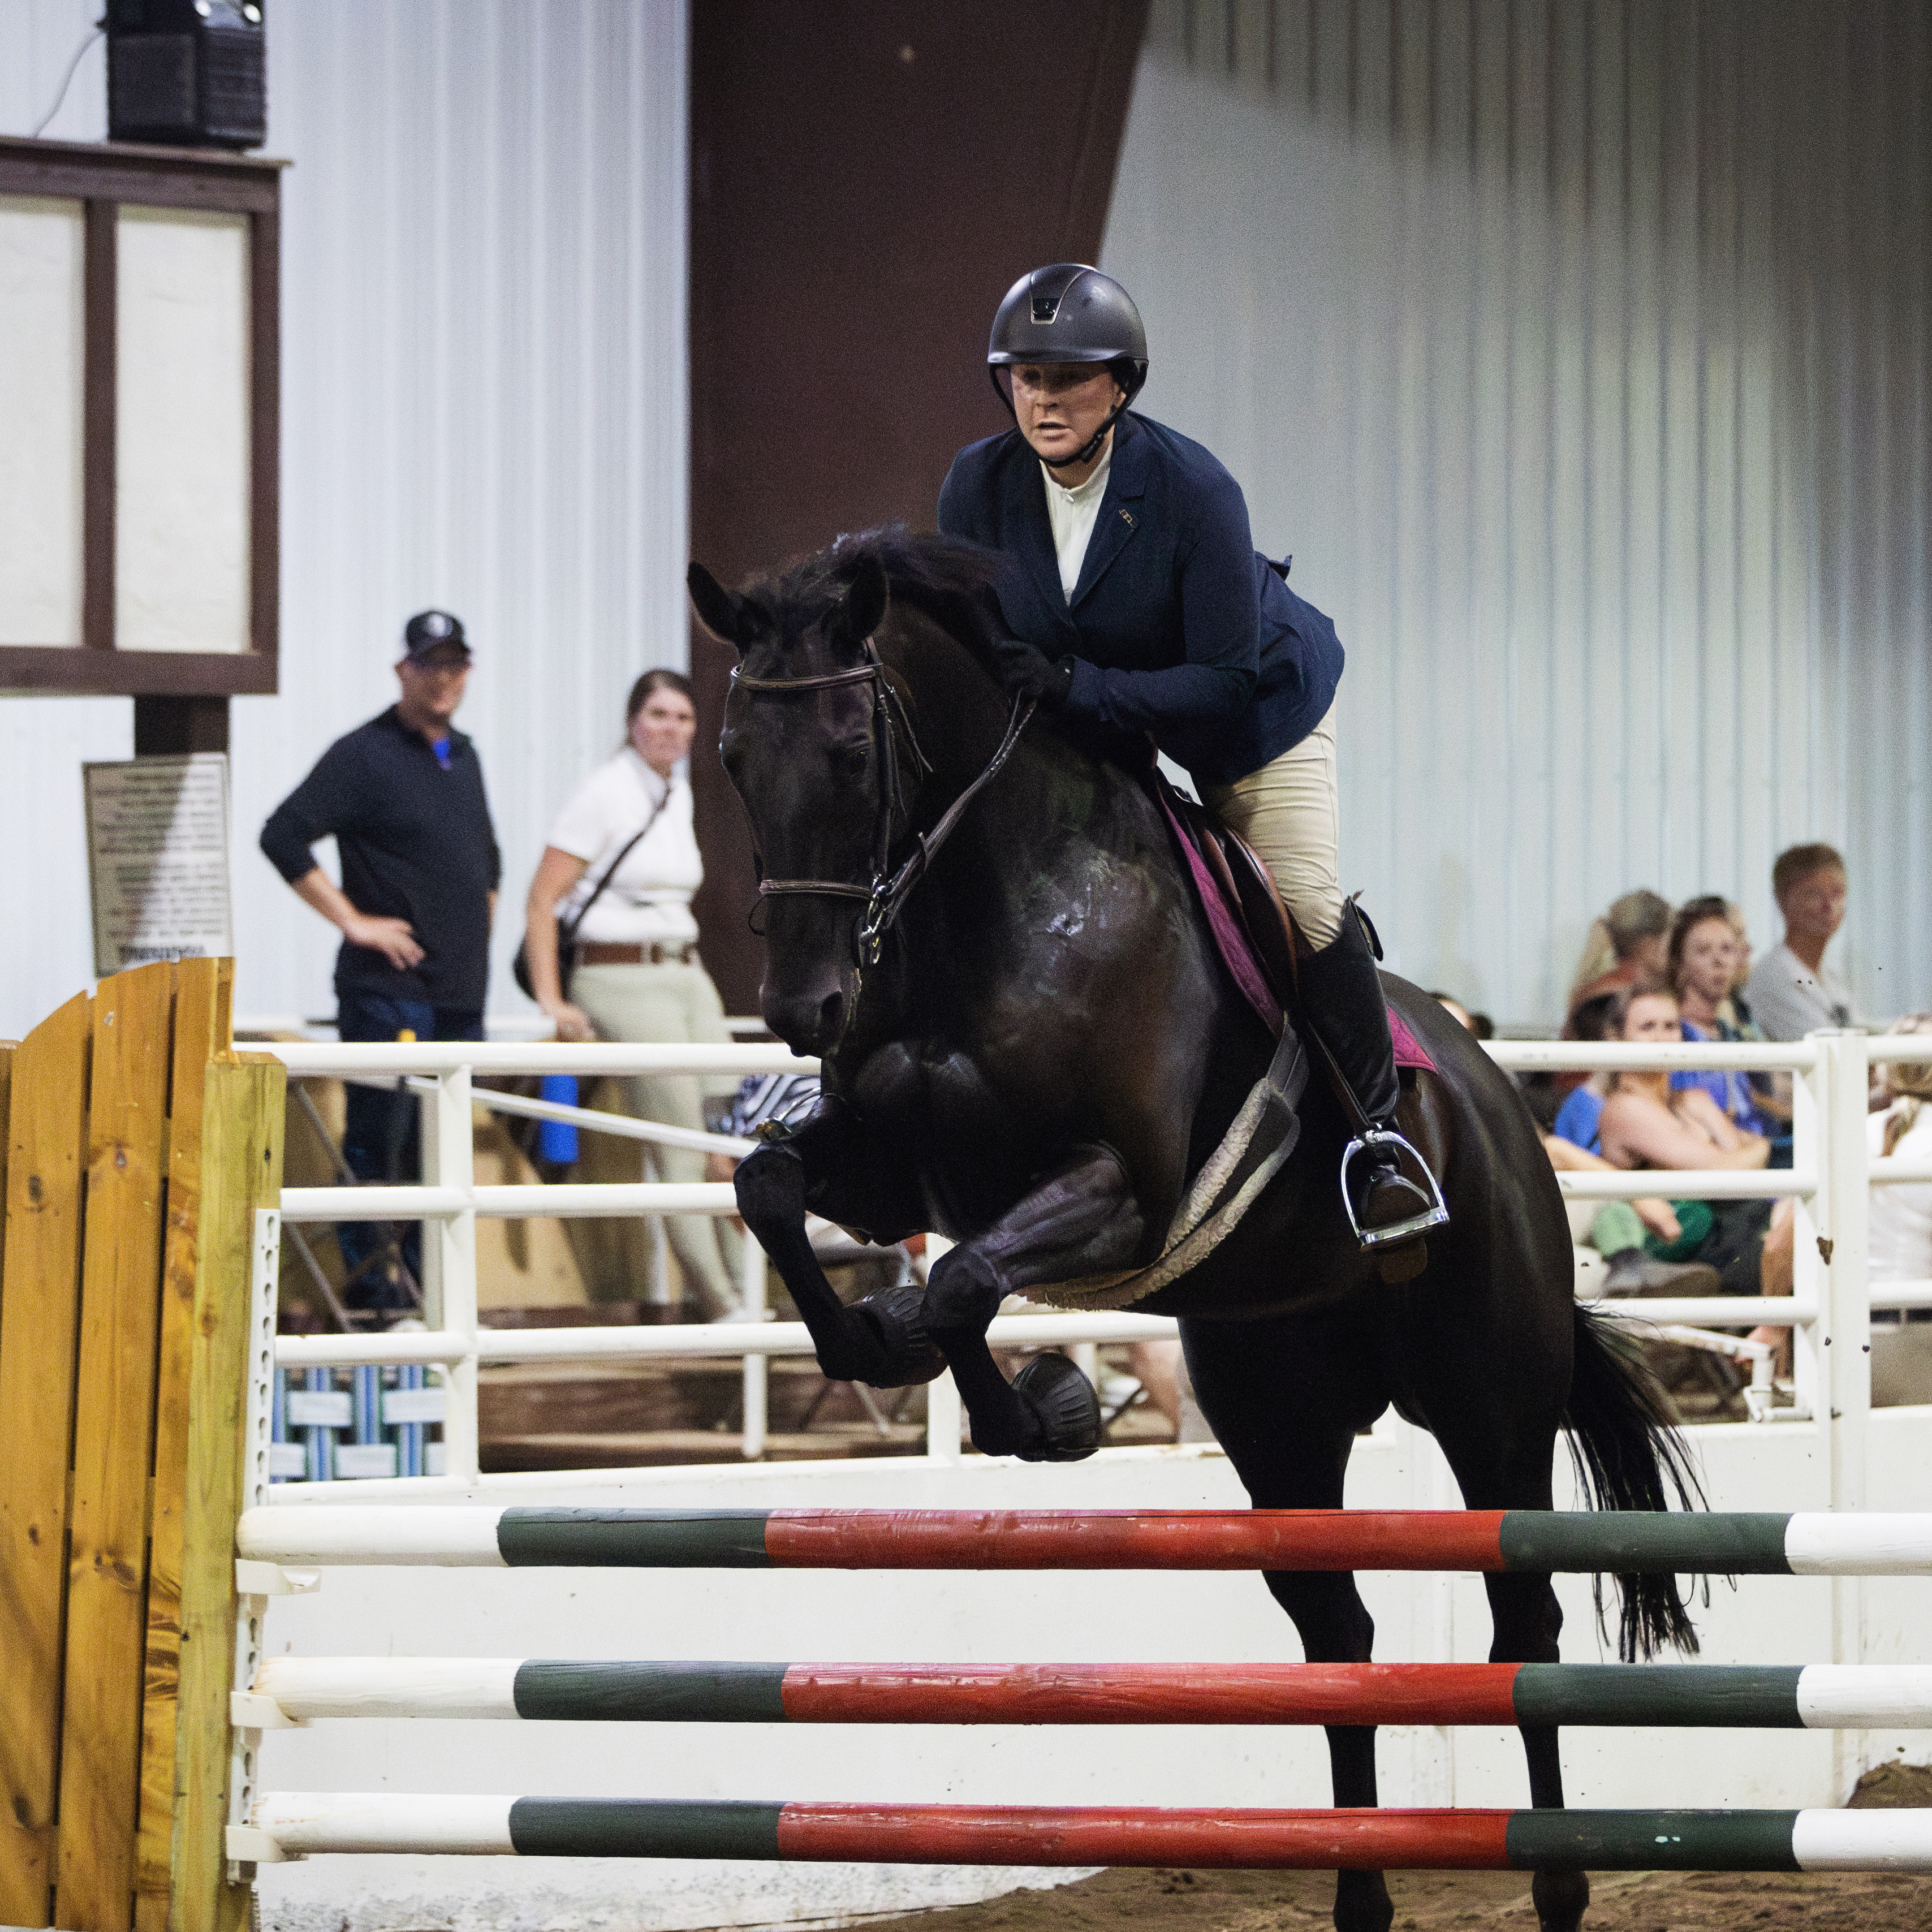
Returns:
(1059,406)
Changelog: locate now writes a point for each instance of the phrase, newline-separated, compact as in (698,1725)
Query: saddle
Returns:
(1254,932)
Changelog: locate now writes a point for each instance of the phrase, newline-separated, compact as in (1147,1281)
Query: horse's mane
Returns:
(947,578)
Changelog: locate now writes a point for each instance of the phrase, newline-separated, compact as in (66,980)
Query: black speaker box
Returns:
(187,74)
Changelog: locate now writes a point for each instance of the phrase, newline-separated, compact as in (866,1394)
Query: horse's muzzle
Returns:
(809,1022)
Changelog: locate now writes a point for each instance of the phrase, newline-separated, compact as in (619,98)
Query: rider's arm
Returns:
(1220,616)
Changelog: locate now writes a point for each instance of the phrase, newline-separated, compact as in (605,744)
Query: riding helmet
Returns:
(1069,313)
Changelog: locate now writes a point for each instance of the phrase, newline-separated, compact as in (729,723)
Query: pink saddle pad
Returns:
(1231,940)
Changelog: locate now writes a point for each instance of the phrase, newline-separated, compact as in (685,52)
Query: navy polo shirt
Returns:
(416,843)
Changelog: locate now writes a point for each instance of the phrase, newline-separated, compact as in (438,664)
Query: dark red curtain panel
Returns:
(867,178)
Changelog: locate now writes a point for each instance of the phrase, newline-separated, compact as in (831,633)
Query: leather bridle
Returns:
(889,889)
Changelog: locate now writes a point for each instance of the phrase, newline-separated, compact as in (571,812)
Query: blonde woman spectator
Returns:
(1901,1216)
(1631,942)
(637,975)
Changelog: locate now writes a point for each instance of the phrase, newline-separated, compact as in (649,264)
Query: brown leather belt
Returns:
(602,952)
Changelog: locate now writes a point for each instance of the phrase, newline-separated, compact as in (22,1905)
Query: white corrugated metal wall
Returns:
(1580,354)
(483,406)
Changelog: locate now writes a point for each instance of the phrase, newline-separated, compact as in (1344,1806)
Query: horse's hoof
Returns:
(911,1355)
(1068,1409)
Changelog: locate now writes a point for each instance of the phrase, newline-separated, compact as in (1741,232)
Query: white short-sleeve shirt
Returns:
(649,898)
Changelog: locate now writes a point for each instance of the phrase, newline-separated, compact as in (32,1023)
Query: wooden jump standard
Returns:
(290,1825)
(1805,1544)
(1817,1696)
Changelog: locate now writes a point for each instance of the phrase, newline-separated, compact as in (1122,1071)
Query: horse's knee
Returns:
(770,1187)
(1328,1613)
(963,1294)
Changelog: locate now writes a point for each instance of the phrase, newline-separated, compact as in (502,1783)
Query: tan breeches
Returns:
(680,1005)
(1287,811)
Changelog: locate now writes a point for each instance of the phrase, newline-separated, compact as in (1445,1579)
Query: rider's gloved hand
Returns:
(1028,672)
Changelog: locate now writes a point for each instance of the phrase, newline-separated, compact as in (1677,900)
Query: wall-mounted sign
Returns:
(158,859)
(139,431)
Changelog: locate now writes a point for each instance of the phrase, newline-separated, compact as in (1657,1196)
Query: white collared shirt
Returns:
(648,898)
(1072,513)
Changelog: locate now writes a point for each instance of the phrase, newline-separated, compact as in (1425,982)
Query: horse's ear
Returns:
(721,613)
(866,597)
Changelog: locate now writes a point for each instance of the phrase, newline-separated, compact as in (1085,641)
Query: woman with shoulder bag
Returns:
(614,885)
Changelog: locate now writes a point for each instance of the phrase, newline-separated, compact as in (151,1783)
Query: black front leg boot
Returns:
(897,1315)
(771,1185)
(1068,1406)
(1342,993)
(1048,1413)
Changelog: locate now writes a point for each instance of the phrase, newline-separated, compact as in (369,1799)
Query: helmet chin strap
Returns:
(1099,437)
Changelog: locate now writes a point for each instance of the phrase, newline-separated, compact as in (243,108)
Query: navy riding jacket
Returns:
(1176,626)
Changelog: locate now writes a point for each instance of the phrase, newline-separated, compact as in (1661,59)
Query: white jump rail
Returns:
(1827,1182)
(448,1202)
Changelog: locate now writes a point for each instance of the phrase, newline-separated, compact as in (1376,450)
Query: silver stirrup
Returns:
(1435,1215)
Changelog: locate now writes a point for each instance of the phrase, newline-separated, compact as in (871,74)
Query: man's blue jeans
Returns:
(379,1141)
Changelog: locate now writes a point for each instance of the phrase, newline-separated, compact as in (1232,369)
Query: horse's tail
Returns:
(1628,1456)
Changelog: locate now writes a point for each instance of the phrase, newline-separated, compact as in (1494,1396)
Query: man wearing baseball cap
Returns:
(402,797)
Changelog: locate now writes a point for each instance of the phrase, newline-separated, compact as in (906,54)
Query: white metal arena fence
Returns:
(1829,1310)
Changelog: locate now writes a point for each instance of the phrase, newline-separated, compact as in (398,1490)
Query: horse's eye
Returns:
(851,758)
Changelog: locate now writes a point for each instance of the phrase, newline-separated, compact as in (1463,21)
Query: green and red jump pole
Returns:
(1829,1696)
(289,1824)
(1627,1542)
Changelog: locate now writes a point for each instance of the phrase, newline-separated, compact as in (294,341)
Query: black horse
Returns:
(1031,1045)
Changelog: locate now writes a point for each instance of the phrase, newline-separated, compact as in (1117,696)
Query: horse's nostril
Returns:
(831,1013)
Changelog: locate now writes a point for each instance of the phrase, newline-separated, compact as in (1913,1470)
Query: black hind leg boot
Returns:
(1391,1197)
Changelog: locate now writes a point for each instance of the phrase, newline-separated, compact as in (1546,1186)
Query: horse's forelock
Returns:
(943,577)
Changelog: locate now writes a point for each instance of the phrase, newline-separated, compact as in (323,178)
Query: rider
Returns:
(1136,601)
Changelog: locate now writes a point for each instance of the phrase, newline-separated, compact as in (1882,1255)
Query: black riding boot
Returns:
(1343,994)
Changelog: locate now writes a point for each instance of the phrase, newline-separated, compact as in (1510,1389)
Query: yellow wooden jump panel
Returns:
(138,1146)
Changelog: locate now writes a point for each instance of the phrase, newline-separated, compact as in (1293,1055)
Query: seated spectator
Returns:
(1901,1216)
(1703,968)
(1647,1124)
(1792,992)
(1619,1230)
(1480,1024)
(1578,1118)
(1631,942)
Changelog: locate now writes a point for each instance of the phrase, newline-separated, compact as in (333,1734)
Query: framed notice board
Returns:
(139,321)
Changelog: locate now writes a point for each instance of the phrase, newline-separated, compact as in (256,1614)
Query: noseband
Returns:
(887,891)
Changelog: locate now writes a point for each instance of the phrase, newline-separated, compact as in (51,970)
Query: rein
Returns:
(887,891)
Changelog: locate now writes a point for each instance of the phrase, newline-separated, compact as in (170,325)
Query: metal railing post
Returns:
(1810,1150)
(943,1412)
(751,1286)
(449,1161)
(1845,1183)
(943,1415)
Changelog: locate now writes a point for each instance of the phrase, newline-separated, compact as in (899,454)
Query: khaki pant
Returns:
(1288,812)
(674,1005)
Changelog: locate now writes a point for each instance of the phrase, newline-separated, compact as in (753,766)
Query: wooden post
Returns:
(242,1113)
(113,1452)
(39,1307)
(138,1146)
